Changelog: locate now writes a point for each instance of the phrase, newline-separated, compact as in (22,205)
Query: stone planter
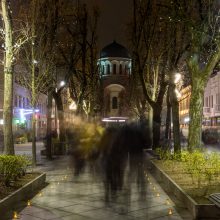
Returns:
(23,193)
(198,211)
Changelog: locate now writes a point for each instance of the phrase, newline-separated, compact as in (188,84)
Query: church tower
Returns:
(115,71)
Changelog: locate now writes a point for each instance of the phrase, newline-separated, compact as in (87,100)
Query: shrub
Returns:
(12,167)
(201,166)
(163,154)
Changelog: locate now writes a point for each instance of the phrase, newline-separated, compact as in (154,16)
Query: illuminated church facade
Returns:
(115,73)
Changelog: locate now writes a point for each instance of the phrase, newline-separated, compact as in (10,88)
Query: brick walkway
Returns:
(82,198)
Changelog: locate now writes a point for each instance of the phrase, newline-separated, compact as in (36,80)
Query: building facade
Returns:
(211,103)
(211,109)
(115,71)
(22,110)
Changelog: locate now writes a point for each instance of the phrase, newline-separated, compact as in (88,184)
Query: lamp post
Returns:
(62,83)
(174,108)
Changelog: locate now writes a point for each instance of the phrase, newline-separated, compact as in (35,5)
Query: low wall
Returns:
(23,193)
(198,211)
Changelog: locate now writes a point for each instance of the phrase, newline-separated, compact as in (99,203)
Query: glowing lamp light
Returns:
(186,119)
(115,119)
(158,194)
(35,61)
(28,203)
(170,211)
(73,106)
(24,112)
(154,188)
(40,194)
(62,83)
(177,77)
(15,215)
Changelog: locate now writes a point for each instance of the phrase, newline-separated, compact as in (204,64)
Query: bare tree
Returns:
(149,64)
(12,42)
(38,59)
(204,54)
(80,59)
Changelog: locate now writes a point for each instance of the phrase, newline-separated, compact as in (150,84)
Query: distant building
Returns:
(115,71)
(211,109)
(211,103)
(22,110)
(184,102)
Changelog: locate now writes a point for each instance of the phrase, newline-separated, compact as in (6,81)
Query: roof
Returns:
(114,50)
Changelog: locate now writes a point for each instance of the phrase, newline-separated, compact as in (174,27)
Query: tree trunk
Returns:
(168,117)
(33,97)
(34,157)
(60,113)
(195,113)
(150,123)
(175,118)
(49,126)
(8,80)
(156,126)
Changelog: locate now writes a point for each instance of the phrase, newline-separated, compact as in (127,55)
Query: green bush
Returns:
(12,167)
(201,166)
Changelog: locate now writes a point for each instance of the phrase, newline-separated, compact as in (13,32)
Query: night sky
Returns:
(113,22)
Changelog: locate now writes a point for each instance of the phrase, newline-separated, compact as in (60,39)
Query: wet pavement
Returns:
(83,197)
(111,182)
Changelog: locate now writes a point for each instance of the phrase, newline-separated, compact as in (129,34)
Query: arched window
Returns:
(114,102)
(108,69)
(114,68)
(103,70)
(120,69)
(126,69)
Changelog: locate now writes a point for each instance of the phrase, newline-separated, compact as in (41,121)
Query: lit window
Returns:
(114,103)
(114,68)
(27,103)
(120,69)
(20,101)
(108,69)
(16,101)
(24,102)
(103,69)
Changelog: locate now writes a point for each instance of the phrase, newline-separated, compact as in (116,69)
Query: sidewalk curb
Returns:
(198,211)
(23,193)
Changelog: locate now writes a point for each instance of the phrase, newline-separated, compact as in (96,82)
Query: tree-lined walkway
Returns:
(82,197)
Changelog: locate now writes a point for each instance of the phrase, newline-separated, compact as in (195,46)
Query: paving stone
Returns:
(83,198)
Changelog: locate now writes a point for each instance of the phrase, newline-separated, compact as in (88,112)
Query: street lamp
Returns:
(62,83)
(177,78)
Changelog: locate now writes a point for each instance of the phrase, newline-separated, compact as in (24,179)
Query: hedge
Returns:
(12,167)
